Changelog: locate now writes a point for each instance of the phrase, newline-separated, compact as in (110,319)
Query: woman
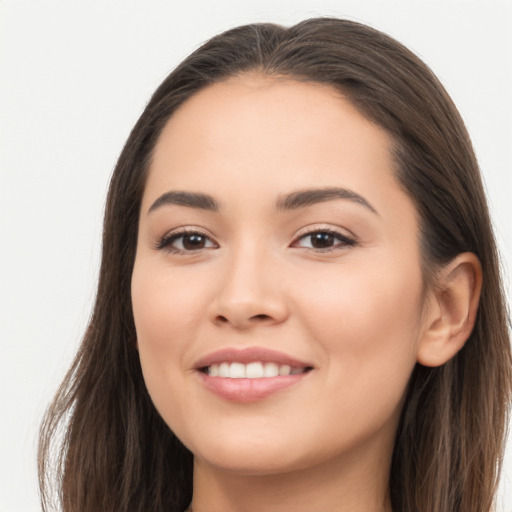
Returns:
(299,305)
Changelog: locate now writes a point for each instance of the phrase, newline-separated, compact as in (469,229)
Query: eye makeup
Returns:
(317,239)
(185,240)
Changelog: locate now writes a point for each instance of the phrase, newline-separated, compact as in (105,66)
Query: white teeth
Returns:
(224,370)
(270,370)
(285,370)
(255,370)
(237,371)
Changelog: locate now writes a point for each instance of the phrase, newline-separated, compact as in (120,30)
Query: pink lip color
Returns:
(248,390)
(249,355)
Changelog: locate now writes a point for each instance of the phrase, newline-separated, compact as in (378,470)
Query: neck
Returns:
(356,485)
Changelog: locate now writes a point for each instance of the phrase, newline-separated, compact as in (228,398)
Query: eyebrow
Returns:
(293,201)
(303,198)
(189,199)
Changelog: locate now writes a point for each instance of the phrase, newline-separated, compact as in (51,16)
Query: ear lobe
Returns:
(452,310)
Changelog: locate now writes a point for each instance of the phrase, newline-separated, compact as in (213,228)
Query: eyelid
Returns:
(164,242)
(315,228)
(348,239)
(345,239)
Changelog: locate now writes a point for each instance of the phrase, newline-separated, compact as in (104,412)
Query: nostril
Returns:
(260,317)
(222,319)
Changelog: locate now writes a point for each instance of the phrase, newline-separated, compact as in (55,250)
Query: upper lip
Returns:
(249,355)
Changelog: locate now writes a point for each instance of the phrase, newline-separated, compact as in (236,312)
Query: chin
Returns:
(249,455)
(255,463)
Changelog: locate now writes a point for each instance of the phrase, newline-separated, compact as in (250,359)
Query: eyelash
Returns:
(165,243)
(343,240)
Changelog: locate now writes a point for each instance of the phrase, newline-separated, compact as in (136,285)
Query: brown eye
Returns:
(193,242)
(186,242)
(324,241)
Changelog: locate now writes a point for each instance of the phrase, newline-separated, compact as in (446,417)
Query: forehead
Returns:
(272,135)
(253,107)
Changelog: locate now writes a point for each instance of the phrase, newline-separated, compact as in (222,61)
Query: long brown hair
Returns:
(114,452)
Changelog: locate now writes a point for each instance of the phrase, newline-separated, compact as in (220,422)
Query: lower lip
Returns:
(249,390)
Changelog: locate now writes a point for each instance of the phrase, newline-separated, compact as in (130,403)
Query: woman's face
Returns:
(275,243)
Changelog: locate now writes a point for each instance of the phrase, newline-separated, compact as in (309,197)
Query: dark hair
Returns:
(116,453)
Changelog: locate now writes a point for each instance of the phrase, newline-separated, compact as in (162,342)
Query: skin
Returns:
(358,313)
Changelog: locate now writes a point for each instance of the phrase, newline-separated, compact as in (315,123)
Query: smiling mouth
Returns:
(253,370)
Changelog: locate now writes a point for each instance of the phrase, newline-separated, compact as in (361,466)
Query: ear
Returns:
(451,310)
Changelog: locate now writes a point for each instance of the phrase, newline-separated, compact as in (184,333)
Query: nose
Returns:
(249,293)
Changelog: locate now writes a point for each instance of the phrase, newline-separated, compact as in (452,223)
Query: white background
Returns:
(74,77)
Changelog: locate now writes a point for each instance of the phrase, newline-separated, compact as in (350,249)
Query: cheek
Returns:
(165,307)
(363,301)
(367,322)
